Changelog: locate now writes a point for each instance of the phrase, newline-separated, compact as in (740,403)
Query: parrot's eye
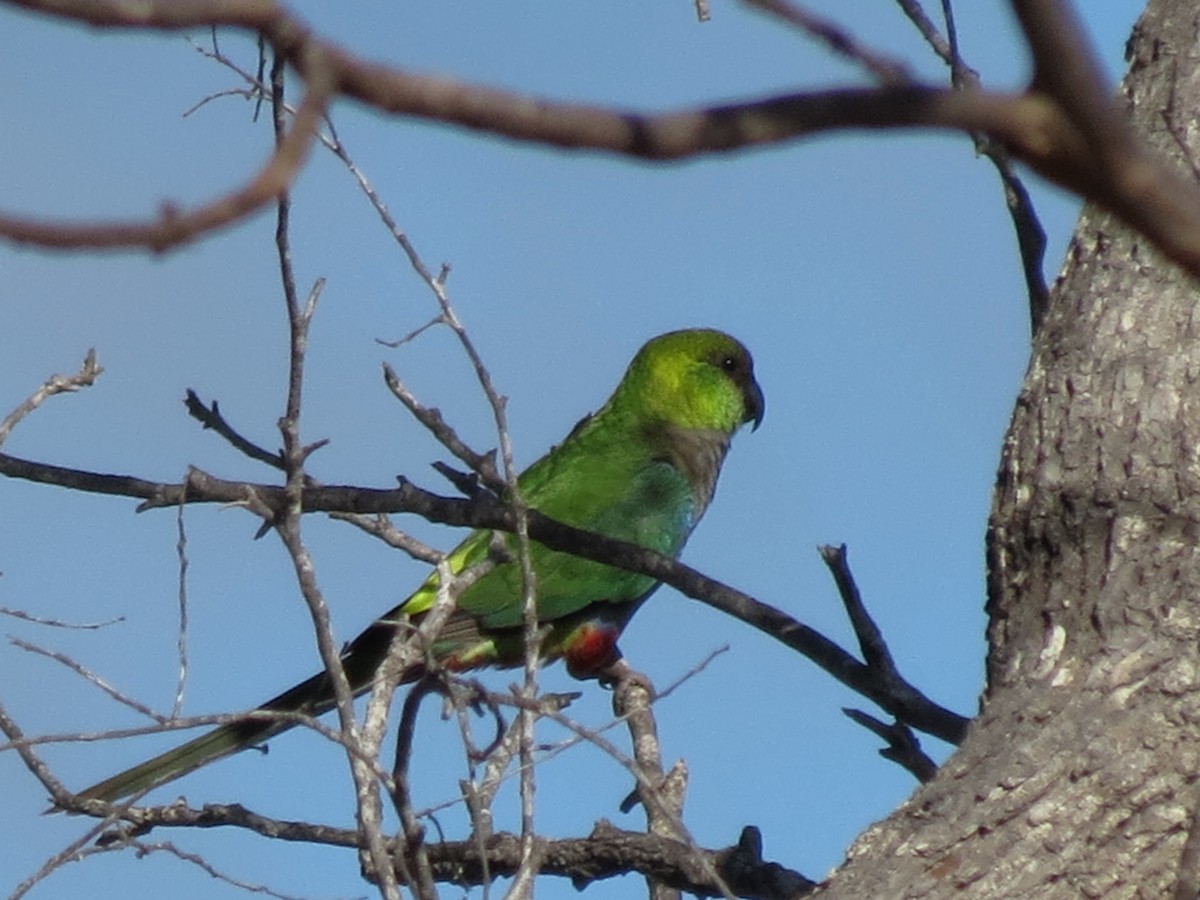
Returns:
(730,363)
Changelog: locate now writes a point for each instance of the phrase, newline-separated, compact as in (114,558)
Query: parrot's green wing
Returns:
(642,469)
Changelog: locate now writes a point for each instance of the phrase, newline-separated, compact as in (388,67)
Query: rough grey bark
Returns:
(1079,779)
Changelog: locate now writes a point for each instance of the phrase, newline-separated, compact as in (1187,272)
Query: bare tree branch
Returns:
(55,384)
(174,227)
(368,811)
(902,747)
(58,623)
(609,851)
(661,794)
(145,849)
(896,696)
(606,852)
(431,417)
(836,39)
(1065,127)
(917,15)
(1031,237)
(1065,67)
(210,417)
(92,678)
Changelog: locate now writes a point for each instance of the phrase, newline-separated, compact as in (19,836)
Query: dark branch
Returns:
(902,747)
(210,417)
(878,657)
(605,853)
(894,695)
(484,464)
(609,851)
(1031,237)
(870,639)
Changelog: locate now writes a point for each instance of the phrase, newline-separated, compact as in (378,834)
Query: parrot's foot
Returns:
(620,676)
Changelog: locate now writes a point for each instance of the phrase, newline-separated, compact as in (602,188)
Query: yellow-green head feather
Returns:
(693,379)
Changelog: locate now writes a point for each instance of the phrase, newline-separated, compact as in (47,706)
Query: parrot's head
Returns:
(699,378)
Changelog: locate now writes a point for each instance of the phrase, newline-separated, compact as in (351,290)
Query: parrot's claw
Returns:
(620,676)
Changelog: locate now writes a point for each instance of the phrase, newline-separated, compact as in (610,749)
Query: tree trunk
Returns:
(1079,778)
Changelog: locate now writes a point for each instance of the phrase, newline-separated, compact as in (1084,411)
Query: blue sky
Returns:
(874,277)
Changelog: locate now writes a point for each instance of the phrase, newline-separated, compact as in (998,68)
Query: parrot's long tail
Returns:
(308,698)
(223,741)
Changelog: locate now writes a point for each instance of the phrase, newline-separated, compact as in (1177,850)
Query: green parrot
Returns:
(642,469)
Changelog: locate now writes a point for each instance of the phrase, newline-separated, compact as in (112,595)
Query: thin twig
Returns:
(381,526)
(522,885)
(181,639)
(870,638)
(1031,236)
(396,665)
(648,790)
(75,850)
(367,806)
(836,39)
(210,417)
(183,724)
(902,745)
(927,28)
(90,677)
(412,860)
(959,73)
(144,848)
(58,623)
(24,748)
(431,418)
(499,756)
(365,186)
(55,384)
(632,697)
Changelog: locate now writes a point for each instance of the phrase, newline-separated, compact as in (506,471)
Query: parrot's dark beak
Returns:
(756,404)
